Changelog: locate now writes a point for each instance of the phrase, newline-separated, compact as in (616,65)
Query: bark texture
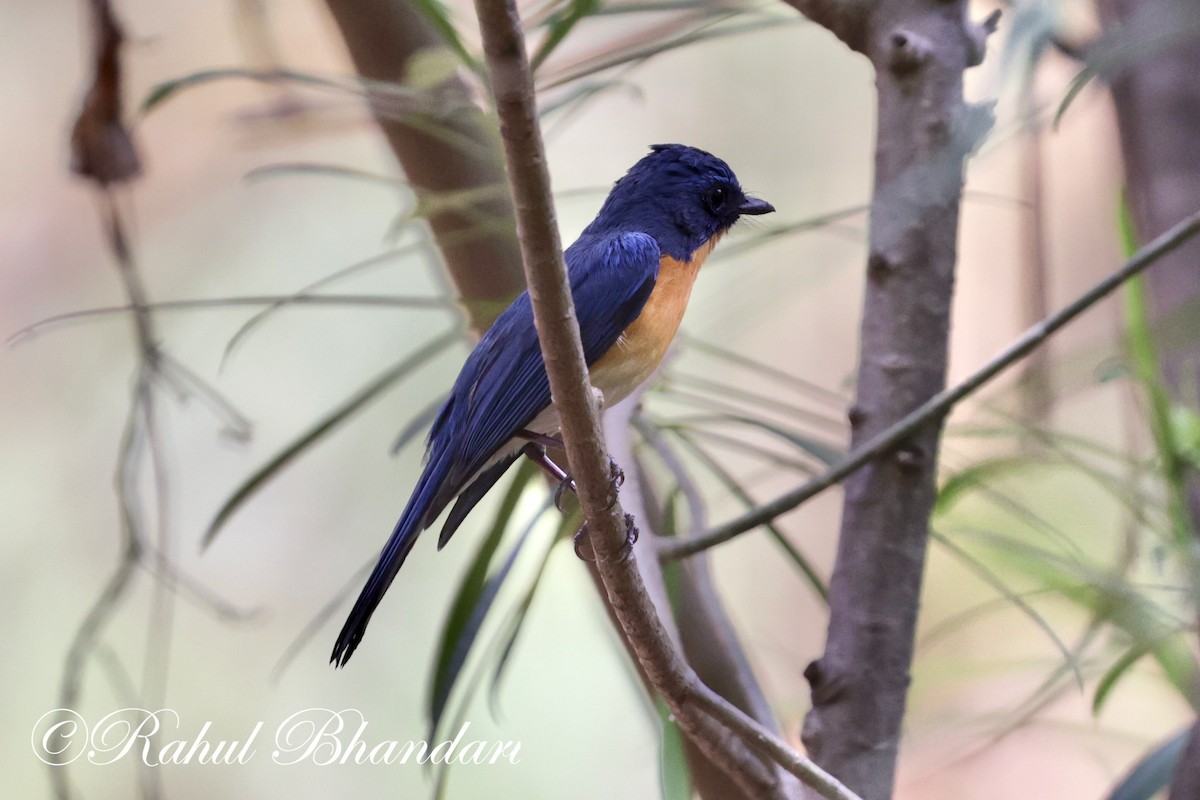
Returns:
(1156,94)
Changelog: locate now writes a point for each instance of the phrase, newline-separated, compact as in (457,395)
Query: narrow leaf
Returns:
(515,622)
(419,422)
(560,25)
(461,648)
(672,757)
(345,411)
(438,15)
(992,579)
(977,475)
(470,591)
(739,491)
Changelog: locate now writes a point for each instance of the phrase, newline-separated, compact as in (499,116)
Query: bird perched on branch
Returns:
(631,272)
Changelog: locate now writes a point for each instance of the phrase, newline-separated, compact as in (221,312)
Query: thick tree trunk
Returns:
(920,49)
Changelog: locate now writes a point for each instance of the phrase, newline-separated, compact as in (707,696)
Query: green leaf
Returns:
(1184,425)
(641,51)
(462,622)
(1144,352)
(428,69)
(515,622)
(672,757)
(1153,772)
(438,15)
(1110,678)
(505,641)
(977,475)
(328,423)
(560,24)
(992,579)
(331,170)
(259,317)
(161,92)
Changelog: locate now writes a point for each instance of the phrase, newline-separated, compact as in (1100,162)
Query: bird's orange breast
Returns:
(641,348)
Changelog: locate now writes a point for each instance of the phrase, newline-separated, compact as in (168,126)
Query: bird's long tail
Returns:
(404,535)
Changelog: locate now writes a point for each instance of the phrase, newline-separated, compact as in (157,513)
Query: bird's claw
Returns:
(583,544)
(565,485)
(616,474)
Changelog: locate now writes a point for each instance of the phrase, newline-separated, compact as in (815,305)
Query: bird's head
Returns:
(680,195)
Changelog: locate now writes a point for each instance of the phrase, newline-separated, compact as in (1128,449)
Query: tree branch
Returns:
(607,526)
(940,404)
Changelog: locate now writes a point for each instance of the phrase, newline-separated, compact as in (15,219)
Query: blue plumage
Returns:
(670,204)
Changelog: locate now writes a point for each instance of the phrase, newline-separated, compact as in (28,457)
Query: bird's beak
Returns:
(752,205)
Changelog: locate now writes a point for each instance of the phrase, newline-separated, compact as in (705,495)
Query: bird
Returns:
(631,273)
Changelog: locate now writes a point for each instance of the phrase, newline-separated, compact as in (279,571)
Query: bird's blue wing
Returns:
(503,385)
(501,388)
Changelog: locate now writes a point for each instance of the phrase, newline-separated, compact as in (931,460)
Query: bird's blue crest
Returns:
(680,195)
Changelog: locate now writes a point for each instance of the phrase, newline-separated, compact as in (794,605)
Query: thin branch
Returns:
(608,528)
(941,403)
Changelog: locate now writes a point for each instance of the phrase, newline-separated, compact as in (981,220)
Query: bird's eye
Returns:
(716,197)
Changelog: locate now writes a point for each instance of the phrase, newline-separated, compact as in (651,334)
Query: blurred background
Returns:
(994,700)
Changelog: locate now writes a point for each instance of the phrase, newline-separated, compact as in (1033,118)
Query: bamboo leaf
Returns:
(1144,353)
(328,423)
